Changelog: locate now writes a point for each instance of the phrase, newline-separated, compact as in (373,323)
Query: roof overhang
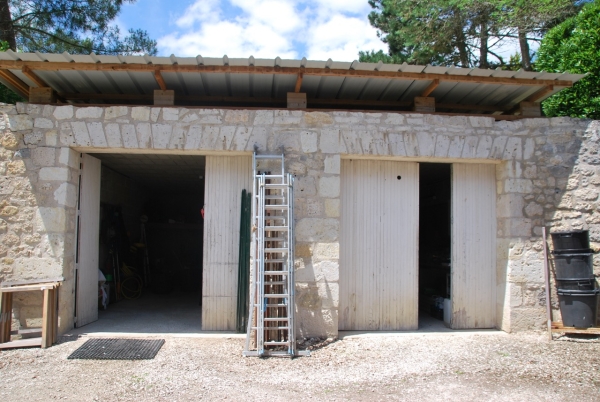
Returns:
(198,81)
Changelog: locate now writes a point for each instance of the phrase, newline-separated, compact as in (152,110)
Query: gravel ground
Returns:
(425,367)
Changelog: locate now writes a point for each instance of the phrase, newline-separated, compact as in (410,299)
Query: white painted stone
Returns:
(329,141)
(329,187)
(237,116)
(170,114)
(96,132)
(259,138)
(144,133)
(241,138)
(210,119)
(477,121)
(43,156)
(456,146)
(65,134)
(350,142)
(129,136)
(113,135)
(484,147)
(42,122)
(20,122)
(91,112)
(51,137)
(317,230)
(69,157)
(332,164)
(63,112)
(193,137)
(154,113)
(513,149)
(442,144)
(190,117)
(426,143)
(332,207)
(54,174)
(113,112)
(140,113)
(50,220)
(80,133)
(263,118)
(309,140)
(66,194)
(210,136)
(161,135)
(498,147)
(411,144)
(470,147)
(397,144)
(178,137)
(394,119)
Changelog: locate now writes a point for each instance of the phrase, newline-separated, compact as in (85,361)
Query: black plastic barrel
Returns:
(577,284)
(573,266)
(571,241)
(578,307)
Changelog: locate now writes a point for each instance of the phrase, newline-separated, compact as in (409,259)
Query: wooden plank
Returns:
(379,245)
(530,109)
(557,327)
(325,72)
(298,83)
(160,80)
(473,292)
(22,343)
(226,177)
(16,82)
(27,288)
(47,319)
(164,97)
(5,316)
(422,104)
(31,281)
(88,235)
(296,100)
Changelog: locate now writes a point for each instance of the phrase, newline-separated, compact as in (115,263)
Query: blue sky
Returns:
(315,29)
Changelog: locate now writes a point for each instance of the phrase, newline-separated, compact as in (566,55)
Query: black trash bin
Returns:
(578,307)
(571,241)
(577,284)
(573,266)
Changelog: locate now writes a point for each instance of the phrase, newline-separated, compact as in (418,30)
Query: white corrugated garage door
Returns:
(226,177)
(379,245)
(473,246)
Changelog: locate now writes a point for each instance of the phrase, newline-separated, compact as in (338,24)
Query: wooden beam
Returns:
(20,86)
(296,100)
(325,72)
(160,80)
(298,83)
(434,84)
(540,94)
(424,104)
(33,77)
(164,97)
(482,108)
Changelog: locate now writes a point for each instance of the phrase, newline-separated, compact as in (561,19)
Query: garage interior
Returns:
(434,243)
(151,243)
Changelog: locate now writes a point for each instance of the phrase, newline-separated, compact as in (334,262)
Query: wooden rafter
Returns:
(298,83)
(434,84)
(33,77)
(540,94)
(160,80)
(184,68)
(16,82)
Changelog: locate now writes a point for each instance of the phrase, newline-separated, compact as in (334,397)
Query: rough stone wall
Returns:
(547,174)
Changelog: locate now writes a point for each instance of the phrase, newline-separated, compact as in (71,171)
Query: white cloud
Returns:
(317,29)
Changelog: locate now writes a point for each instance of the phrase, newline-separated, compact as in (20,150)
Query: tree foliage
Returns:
(75,26)
(574,46)
(465,33)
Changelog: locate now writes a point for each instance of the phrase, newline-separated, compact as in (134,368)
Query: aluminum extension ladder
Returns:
(271,316)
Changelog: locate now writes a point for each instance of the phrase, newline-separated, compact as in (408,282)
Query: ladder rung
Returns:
(276,228)
(276,185)
(274,207)
(274,197)
(276,283)
(277,273)
(274,217)
(277,319)
(267,157)
(275,238)
(274,305)
(276,296)
(275,343)
(275,261)
(276,250)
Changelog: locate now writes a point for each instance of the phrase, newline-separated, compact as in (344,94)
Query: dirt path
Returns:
(424,367)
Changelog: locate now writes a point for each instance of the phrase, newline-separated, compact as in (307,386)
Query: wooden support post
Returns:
(5,316)
(164,98)
(530,109)
(42,95)
(296,100)
(424,104)
(46,319)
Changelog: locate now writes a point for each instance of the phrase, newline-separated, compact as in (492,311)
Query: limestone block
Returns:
(20,122)
(305,186)
(140,113)
(332,164)
(411,144)
(31,268)
(63,112)
(304,272)
(113,135)
(225,138)
(10,140)
(144,132)
(96,132)
(513,149)
(16,168)
(309,140)
(210,135)
(50,220)
(112,112)
(170,114)
(329,141)
(326,251)
(484,147)
(529,269)
(66,194)
(193,137)
(329,292)
(318,119)
(442,145)
(373,142)
(3,166)
(308,297)
(65,133)
(498,146)
(348,118)
(510,206)
(414,120)
(515,294)
(524,186)
(8,210)
(129,136)
(587,194)
(534,209)
(394,119)
(54,174)
(161,135)
(211,119)
(456,146)
(69,157)
(43,156)
(350,142)
(470,147)
(332,207)
(263,117)
(91,112)
(329,187)
(313,207)
(237,116)
(481,121)
(426,143)
(154,113)
(80,133)
(42,122)
(51,137)
(528,149)
(514,227)
(317,230)
(258,138)
(296,167)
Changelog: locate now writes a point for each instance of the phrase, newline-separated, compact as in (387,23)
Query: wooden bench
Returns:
(49,317)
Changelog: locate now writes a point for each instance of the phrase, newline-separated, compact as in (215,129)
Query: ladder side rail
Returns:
(254,255)
(291,268)
(261,267)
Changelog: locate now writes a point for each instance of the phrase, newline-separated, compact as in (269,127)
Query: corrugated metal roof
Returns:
(206,81)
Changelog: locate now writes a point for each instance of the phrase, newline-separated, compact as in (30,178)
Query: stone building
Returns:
(410,181)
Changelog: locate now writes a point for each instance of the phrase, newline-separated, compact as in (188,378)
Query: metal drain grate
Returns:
(118,349)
